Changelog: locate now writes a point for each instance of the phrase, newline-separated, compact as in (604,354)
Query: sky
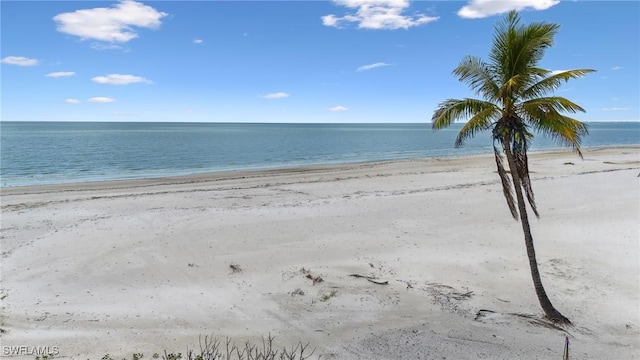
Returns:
(351,61)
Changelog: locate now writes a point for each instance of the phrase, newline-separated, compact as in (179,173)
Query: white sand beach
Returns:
(145,265)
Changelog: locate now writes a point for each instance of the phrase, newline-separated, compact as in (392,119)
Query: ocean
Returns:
(34,153)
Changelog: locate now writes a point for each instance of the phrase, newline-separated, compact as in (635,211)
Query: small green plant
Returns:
(172,356)
(45,357)
(326,297)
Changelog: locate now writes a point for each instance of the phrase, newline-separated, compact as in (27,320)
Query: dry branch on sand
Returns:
(371,279)
(211,348)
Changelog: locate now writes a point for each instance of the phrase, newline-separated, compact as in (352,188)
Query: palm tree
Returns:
(515,102)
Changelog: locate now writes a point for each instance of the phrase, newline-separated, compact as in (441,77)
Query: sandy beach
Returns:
(149,265)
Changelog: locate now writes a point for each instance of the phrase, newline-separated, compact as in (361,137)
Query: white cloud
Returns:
(198,41)
(617,68)
(277,95)
(19,60)
(372,66)
(338,108)
(101,99)
(119,79)
(614,109)
(114,24)
(72,101)
(377,14)
(104,46)
(59,74)
(477,9)
(330,20)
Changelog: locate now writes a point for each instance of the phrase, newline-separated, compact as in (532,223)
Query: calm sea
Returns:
(46,153)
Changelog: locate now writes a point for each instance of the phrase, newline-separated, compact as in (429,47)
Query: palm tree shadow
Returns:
(490,316)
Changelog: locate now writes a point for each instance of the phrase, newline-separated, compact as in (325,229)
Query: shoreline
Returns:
(145,265)
(252,173)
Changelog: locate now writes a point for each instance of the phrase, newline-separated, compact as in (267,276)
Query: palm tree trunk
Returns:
(550,312)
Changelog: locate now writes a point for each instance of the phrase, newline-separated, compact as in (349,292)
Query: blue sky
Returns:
(291,61)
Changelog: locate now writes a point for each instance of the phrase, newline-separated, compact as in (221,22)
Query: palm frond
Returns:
(510,88)
(549,84)
(535,38)
(452,110)
(562,129)
(507,189)
(504,32)
(517,50)
(475,72)
(481,121)
(544,105)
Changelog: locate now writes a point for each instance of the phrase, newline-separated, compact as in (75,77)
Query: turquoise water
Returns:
(59,152)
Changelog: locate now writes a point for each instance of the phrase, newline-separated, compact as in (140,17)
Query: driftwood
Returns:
(371,279)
